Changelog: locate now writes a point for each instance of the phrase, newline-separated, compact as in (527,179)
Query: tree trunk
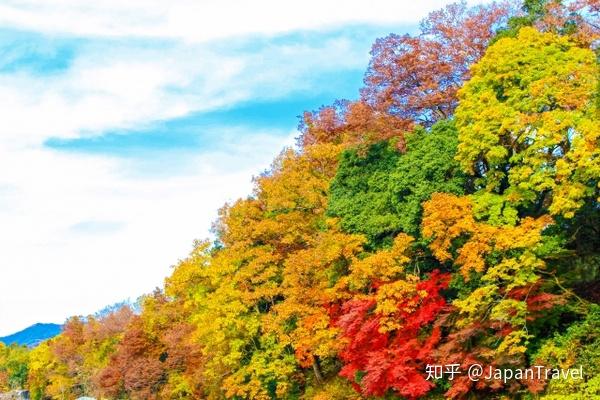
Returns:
(317,370)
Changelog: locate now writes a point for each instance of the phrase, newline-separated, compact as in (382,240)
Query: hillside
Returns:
(32,335)
(436,238)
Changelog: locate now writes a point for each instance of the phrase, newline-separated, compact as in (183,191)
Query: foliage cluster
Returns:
(448,216)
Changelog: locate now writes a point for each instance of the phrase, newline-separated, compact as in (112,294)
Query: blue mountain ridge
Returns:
(32,335)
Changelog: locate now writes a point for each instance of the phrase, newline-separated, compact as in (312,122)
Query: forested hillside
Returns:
(449,216)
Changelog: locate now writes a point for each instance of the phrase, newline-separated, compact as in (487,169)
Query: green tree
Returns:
(379,193)
(14,365)
(578,346)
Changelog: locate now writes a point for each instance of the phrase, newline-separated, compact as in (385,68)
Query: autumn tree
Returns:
(248,296)
(500,284)
(528,126)
(416,78)
(410,80)
(577,19)
(14,366)
(387,324)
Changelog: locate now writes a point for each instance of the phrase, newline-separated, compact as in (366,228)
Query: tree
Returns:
(410,80)
(500,287)
(386,350)
(14,366)
(351,124)
(416,79)
(578,345)
(379,193)
(529,127)
(360,194)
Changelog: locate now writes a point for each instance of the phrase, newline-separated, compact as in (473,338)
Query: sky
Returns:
(126,125)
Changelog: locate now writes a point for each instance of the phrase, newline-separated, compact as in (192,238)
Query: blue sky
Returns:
(270,106)
(126,125)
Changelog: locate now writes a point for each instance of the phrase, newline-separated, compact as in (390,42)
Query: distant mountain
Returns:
(33,335)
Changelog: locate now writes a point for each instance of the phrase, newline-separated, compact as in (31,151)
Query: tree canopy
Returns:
(449,216)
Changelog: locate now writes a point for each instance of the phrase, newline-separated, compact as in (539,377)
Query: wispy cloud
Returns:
(28,52)
(111,85)
(197,21)
(96,227)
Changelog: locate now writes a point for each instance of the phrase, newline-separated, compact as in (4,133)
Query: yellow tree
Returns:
(247,290)
(529,126)
(301,319)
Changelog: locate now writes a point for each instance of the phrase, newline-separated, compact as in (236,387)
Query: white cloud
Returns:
(127,85)
(79,232)
(194,20)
